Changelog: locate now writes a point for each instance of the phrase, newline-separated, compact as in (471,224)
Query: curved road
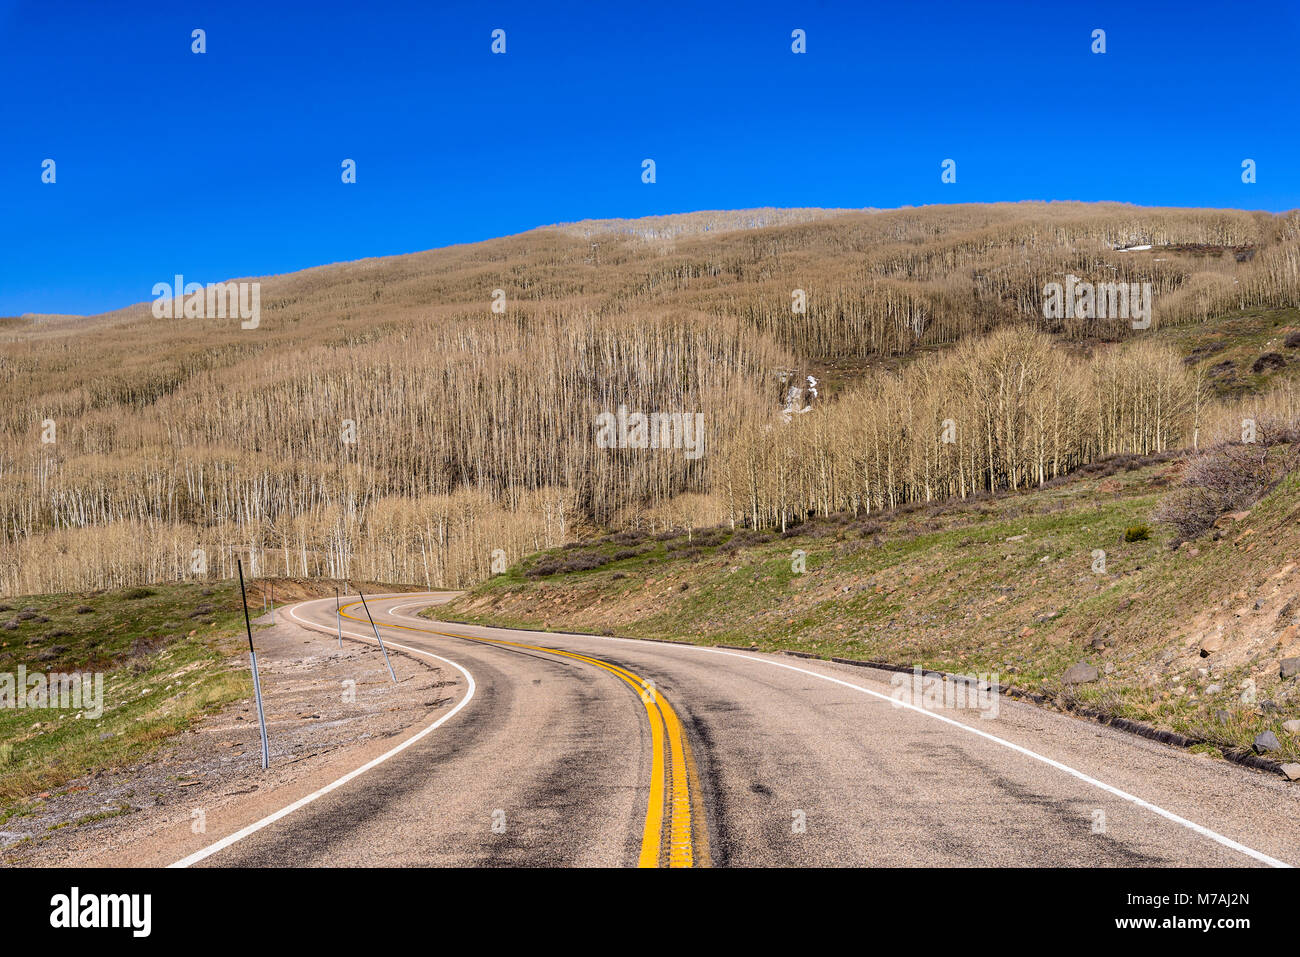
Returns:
(580,750)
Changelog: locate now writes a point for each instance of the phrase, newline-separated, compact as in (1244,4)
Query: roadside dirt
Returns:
(208,781)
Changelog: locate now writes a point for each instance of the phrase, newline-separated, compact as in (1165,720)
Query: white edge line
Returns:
(1109,789)
(301,802)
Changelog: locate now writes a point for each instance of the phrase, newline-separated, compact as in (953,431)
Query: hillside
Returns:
(383,421)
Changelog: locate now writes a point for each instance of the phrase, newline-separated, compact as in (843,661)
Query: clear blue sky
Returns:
(228,163)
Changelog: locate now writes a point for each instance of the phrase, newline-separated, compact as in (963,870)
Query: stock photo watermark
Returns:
(683,431)
(128,911)
(217,300)
(1079,299)
(931,691)
(71,691)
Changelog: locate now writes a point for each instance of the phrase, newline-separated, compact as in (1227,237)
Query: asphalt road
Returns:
(573,750)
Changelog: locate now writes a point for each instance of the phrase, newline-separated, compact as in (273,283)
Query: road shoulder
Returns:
(328,712)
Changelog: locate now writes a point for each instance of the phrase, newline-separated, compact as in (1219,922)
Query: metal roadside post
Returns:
(338,616)
(257,683)
(377,638)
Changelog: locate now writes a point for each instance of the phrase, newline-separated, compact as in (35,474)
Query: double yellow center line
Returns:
(673,778)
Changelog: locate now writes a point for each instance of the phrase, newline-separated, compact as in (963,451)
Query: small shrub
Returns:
(1293,341)
(580,562)
(1269,360)
(135,594)
(677,548)
(710,539)
(84,610)
(1224,478)
(584,561)
(1137,533)
(146,645)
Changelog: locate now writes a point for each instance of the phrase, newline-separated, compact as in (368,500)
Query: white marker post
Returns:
(377,638)
(252,657)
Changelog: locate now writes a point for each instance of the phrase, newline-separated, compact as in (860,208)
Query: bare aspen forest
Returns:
(383,422)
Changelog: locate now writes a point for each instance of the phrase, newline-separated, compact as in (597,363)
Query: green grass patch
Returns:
(1235,350)
(163,653)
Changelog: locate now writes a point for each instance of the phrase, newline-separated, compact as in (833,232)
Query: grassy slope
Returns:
(945,586)
(164,652)
(1229,346)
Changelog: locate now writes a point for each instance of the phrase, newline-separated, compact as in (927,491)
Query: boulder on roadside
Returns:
(1080,673)
(1266,742)
(1232,517)
(1292,771)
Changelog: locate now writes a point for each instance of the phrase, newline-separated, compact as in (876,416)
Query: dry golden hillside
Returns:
(382,421)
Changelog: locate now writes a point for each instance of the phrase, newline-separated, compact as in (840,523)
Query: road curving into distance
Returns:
(574,750)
